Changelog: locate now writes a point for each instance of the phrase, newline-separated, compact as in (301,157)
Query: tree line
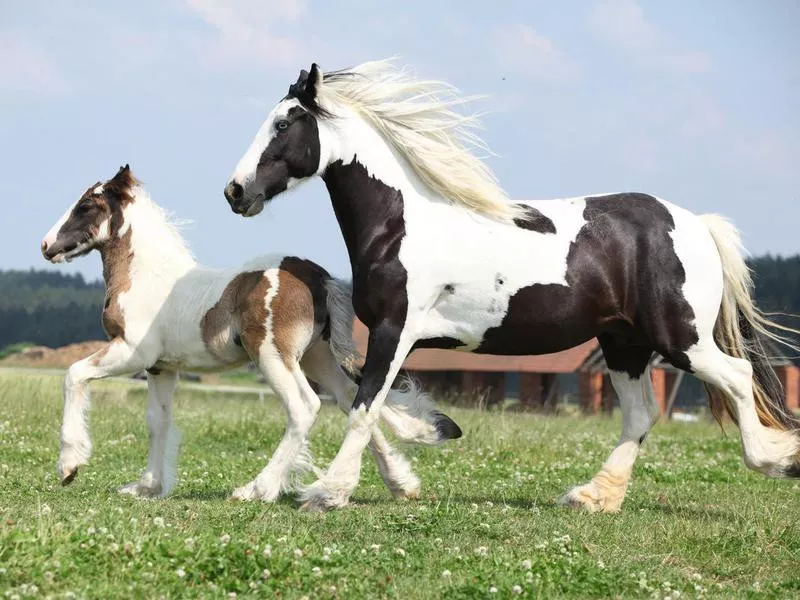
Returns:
(53,309)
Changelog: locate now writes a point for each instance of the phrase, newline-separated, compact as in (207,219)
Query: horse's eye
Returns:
(282,125)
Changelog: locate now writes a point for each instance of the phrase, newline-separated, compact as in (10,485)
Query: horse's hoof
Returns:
(138,490)
(69,477)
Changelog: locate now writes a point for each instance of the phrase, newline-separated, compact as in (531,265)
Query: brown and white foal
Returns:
(164,313)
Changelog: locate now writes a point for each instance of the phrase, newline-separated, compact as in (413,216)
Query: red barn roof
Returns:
(567,361)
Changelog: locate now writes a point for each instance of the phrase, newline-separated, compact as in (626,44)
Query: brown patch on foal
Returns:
(299,308)
(240,309)
(117,251)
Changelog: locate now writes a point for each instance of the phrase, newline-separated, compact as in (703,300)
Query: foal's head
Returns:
(285,151)
(95,218)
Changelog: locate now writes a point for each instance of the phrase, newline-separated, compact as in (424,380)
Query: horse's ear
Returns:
(314,81)
(124,169)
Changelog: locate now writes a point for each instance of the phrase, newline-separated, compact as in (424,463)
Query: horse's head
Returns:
(92,220)
(285,151)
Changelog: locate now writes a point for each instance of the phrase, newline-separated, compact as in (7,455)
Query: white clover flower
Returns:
(492,590)
(267,551)
(225,539)
(189,543)
(265,574)
(375,547)
(316,571)
(45,509)
(158,521)
(90,531)
(400,551)
(446,574)
(180,573)
(527,564)
(326,551)
(481,551)
(298,553)
(517,589)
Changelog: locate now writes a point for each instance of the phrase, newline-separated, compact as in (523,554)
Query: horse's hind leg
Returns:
(630,377)
(321,366)
(767,450)
(302,405)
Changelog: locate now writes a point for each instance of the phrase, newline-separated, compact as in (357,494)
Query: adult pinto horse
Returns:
(441,259)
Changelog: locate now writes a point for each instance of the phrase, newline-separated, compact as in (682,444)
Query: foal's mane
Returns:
(419,119)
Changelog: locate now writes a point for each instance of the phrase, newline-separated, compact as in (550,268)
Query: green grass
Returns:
(695,521)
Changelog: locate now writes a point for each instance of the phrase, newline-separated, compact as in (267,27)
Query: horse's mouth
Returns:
(68,254)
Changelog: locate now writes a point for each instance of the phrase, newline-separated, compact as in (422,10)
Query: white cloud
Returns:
(520,48)
(247,31)
(622,24)
(26,68)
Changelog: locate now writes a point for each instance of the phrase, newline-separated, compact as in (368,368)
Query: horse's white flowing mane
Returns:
(418,118)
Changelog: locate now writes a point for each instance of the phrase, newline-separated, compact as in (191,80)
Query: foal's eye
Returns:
(282,125)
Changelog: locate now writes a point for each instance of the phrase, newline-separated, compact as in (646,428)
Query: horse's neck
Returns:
(146,248)
(370,185)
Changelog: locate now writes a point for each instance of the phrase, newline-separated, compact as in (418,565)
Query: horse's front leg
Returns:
(116,358)
(159,477)
(389,344)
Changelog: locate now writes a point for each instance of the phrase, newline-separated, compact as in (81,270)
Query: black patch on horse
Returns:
(534,220)
(442,342)
(370,215)
(624,283)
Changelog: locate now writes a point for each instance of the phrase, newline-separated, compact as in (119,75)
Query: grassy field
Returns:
(696,522)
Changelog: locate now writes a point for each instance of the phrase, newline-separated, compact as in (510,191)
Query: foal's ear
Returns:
(314,81)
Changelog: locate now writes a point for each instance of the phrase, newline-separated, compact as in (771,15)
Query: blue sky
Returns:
(697,102)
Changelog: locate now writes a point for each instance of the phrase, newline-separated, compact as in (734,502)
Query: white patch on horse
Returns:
(98,190)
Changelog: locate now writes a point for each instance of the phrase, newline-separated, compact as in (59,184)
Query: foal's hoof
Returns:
(316,498)
(408,490)
(140,491)
(251,491)
(67,470)
(69,477)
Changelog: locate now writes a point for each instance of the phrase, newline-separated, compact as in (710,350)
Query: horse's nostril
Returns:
(44,246)
(233,191)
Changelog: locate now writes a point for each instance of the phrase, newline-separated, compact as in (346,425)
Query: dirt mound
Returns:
(54,358)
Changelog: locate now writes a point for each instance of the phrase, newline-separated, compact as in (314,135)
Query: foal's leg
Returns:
(321,366)
(606,490)
(159,477)
(116,358)
(302,406)
(388,347)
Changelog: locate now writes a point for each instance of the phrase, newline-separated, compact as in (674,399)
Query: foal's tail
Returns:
(408,412)
(741,330)
(342,316)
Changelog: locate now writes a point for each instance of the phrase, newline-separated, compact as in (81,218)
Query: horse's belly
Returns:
(535,319)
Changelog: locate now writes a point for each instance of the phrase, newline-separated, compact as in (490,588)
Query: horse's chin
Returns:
(255,208)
